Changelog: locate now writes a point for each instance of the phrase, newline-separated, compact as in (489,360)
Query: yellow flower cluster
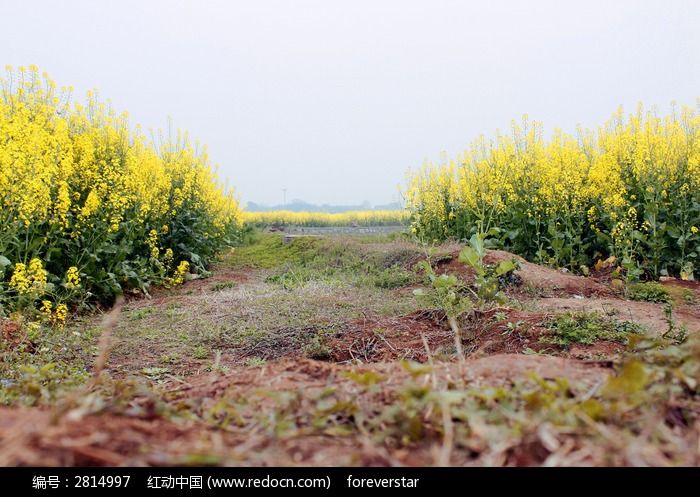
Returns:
(73,168)
(55,316)
(565,197)
(168,257)
(46,308)
(72,278)
(350,218)
(30,280)
(60,314)
(76,178)
(178,278)
(152,243)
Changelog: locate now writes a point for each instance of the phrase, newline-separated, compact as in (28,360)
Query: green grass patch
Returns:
(140,313)
(648,292)
(335,261)
(393,277)
(223,285)
(268,250)
(587,328)
(294,277)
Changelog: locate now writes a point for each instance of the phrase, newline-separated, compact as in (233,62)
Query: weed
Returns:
(216,366)
(223,285)
(649,292)
(171,358)
(154,373)
(489,279)
(393,277)
(200,352)
(36,385)
(447,292)
(533,291)
(610,311)
(380,332)
(141,313)
(296,277)
(689,296)
(315,348)
(668,317)
(673,333)
(513,327)
(255,362)
(587,328)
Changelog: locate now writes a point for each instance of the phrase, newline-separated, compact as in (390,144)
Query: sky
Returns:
(334,101)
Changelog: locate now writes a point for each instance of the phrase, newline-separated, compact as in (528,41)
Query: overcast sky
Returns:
(336,100)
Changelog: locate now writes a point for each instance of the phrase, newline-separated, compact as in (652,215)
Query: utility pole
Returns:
(284,197)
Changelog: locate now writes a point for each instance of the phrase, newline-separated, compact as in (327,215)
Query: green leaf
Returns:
(505,267)
(469,256)
(632,379)
(477,243)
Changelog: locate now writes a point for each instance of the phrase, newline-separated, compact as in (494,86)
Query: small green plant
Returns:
(513,327)
(668,317)
(649,292)
(139,314)
(200,352)
(316,348)
(488,279)
(674,333)
(216,366)
(587,328)
(155,373)
(632,268)
(172,358)
(290,279)
(689,296)
(446,293)
(223,285)
(393,277)
(255,362)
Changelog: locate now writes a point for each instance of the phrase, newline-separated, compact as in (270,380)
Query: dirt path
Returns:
(299,362)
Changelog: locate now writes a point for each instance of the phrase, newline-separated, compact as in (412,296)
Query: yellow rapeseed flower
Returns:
(20,281)
(60,315)
(72,278)
(46,308)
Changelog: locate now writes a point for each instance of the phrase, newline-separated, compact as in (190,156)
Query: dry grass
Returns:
(207,374)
